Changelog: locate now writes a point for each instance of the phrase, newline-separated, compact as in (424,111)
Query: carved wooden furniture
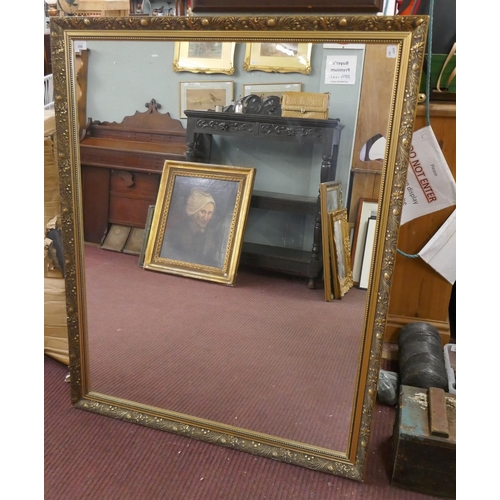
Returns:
(122,165)
(202,125)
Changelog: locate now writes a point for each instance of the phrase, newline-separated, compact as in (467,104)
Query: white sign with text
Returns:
(430,185)
(341,70)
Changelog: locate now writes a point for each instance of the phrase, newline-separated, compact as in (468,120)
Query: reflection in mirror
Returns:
(266,366)
(218,350)
(341,250)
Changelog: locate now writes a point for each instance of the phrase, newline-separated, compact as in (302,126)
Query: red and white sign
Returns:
(430,185)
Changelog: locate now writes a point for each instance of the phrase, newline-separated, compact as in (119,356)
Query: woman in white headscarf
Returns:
(197,200)
(193,239)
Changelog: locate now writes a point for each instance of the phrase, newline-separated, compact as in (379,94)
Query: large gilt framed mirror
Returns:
(297,392)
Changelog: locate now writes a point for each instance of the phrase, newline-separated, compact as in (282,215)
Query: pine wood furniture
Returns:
(419,293)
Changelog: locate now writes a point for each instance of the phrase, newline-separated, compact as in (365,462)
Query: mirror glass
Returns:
(266,366)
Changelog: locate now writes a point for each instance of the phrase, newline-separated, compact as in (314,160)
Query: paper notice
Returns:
(430,185)
(440,251)
(340,70)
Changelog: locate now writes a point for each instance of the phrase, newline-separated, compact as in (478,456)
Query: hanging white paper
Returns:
(430,185)
(340,70)
(440,251)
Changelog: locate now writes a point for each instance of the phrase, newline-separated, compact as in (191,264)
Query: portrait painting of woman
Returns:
(199,220)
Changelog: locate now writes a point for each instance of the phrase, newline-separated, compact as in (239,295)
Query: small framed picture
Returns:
(278,57)
(367,208)
(364,276)
(330,194)
(199,221)
(202,96)
(135,7)
(266,89)
(340,248)
(204,57)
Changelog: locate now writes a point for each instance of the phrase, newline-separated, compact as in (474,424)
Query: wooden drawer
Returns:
(131,194)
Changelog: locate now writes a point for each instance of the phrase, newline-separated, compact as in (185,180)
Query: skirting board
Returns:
(395,323)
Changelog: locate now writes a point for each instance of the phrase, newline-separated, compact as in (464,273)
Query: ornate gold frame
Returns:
(301,63)
(242,178)
(409,34)
(329,276)
(344,246)
(295,6)
(224,64)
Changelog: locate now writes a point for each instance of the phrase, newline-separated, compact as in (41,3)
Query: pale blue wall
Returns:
(123,76)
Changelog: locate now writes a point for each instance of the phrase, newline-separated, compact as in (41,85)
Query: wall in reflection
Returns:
(123,76)
(165,331)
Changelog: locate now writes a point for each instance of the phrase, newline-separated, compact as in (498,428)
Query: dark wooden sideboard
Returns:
(203,125)
(122,165)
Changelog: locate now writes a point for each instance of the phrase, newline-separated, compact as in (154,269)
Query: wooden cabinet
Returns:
(418,292)
(121,168)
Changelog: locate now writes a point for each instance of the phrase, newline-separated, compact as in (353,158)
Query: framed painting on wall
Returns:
(278,57)
(202,96)
(204,57)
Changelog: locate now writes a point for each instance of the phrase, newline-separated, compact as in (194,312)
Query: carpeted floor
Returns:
(89,456)
(196,347)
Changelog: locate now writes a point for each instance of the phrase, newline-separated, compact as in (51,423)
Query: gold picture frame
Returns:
(350,458)
(340,250)
(204,95)
(331,200)
(264,90)
(278,57)
(199,220)
(204,57)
